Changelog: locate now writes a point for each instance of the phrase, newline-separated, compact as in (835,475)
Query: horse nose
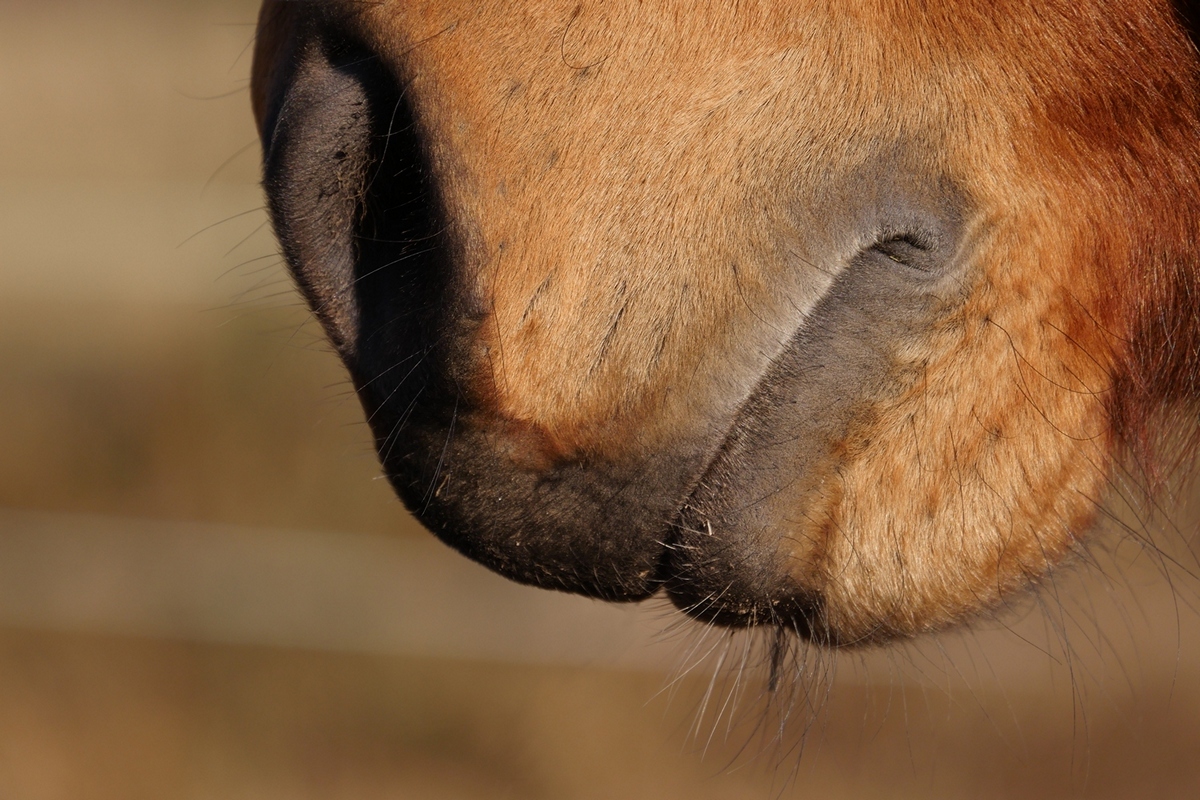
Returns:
(359,220)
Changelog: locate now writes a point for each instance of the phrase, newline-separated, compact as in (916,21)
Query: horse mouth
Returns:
(722,515)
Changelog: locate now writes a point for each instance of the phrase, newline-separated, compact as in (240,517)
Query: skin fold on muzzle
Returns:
(838,317)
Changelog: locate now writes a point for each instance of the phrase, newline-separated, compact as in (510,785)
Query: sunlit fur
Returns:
(607,174)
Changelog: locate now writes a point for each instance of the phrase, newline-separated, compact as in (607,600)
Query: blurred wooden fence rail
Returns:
(318,590)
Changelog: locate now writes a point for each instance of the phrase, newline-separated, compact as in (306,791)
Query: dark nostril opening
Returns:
(914,249)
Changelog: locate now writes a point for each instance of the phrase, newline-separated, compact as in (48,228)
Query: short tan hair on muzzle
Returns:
(837,317)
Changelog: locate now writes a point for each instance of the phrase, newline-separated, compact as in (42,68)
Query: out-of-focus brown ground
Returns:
(155,368)
(89,716)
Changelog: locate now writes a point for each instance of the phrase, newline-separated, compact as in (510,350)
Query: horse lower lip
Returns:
(792,615)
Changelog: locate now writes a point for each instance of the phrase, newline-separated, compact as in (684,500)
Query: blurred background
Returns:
(206,590)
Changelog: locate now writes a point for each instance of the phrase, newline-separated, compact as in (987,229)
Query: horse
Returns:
(840,319)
